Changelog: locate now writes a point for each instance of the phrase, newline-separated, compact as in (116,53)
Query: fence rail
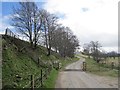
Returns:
(37,82)
(10,33)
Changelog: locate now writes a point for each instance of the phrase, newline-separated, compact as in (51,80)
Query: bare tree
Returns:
(56,37)
(95,49)
(31,21)
(65,42)
(49,25)
(27,20)
(71,42)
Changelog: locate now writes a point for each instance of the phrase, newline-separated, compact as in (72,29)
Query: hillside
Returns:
(20,61)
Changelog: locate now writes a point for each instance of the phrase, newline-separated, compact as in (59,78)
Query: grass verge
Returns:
(50,82)
(100,69)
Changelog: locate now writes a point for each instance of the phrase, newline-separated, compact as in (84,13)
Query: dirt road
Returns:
(74,77)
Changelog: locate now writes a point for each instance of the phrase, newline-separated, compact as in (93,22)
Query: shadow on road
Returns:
(73,70)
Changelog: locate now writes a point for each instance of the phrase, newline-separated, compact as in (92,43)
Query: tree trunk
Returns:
(31,42)
(49,52)
(56,49)
(35,45)
(98,61)
(35,42)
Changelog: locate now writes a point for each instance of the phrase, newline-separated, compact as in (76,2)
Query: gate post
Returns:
(84,66)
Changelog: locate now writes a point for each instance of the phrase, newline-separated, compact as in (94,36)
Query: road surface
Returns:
(74,77)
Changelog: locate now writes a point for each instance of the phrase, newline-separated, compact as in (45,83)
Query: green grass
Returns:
(100,69)
(15,63)
(22,64)
(50,82)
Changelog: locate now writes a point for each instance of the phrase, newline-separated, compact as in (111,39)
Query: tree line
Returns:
(94,49)
(32,21)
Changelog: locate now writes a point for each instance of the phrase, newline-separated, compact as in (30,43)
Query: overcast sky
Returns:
(90,20)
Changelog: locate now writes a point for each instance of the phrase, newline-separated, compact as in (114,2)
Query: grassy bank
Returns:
(20,62)
(17,68)
(100,69)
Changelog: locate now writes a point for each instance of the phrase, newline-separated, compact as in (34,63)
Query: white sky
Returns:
(95,20)
(90,20)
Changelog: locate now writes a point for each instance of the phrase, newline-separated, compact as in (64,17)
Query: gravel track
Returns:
(74,77)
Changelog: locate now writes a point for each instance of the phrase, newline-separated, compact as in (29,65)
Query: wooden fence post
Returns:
(32,82)
(112,65)
(41,79)
(46,73)
(85,66)
(6,32)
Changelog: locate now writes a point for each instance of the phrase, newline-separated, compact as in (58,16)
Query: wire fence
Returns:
(10,33)
(38,81)
(34,81)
